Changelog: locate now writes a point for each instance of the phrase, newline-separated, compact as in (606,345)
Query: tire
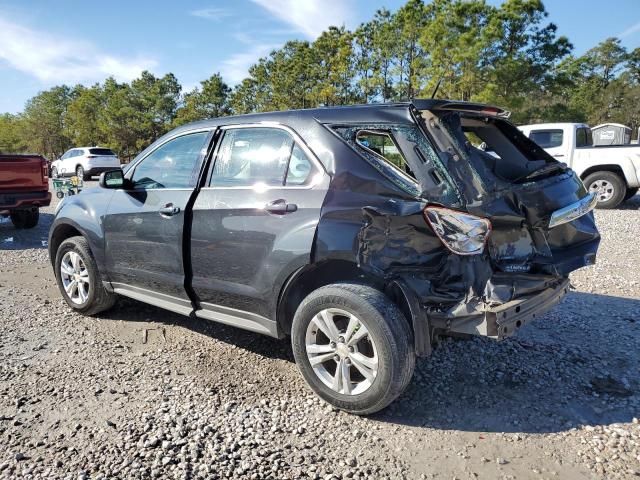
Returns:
(80,173)
(610,188)
(24,219)
(98,299)
(631,192)
(389,335)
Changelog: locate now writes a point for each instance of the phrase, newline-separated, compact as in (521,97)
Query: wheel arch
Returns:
(313,276)
(59,234)
(612,168)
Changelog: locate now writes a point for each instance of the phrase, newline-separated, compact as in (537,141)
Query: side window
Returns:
(259,156)
(583,137)
(300,167)
(547,138)
(382,144)
(171,165)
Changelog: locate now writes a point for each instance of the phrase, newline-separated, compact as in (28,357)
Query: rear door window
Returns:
(255,156)
(547,138)
(584,137)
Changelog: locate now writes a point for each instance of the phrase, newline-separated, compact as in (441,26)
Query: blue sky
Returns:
(44,42)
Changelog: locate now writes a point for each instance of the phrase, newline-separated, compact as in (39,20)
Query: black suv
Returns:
(364,233)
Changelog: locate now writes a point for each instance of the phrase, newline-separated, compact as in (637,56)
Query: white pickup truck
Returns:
(613,172)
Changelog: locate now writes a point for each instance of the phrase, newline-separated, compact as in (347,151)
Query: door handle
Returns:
(280,207)
(558,155)
(169,210)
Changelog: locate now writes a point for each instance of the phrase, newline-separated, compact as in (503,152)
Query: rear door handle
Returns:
(558,155)
(280,207)
(169,210)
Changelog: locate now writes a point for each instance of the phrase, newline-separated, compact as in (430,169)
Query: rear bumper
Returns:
(21,200)
(504,320)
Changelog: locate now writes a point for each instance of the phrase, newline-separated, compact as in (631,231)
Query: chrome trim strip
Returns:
(573,211)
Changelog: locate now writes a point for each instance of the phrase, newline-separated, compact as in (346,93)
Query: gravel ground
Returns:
(143,393)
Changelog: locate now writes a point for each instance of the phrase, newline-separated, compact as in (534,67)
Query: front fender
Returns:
(83,213)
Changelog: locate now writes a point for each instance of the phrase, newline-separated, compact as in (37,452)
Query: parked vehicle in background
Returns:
(24,188)
(364,233)
(85,162)
(612,173)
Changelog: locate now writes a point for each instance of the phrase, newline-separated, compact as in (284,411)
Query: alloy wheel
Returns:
(603,189)
(341,351)
(75,277)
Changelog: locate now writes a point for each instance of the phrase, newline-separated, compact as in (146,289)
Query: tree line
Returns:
(508,55)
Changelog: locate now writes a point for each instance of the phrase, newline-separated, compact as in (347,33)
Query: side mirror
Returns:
(112,179)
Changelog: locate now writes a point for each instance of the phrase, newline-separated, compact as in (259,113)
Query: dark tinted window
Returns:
(547,138)
(100,151)
(259,156)
(172,165)
(584,137)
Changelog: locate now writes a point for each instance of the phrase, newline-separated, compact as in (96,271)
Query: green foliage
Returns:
(507,54)
(209,101)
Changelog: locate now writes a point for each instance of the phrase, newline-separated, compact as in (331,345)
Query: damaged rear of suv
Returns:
(364,233)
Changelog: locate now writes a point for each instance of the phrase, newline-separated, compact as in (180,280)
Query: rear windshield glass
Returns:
(100,151)
(496,153)
(547,138)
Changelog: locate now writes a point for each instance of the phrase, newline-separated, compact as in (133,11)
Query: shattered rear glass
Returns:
(425,177)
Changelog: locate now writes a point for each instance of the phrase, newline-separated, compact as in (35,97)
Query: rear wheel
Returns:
(631,192)
(25,218)
(353,346)
(78,278)
(609,188)
(80,173)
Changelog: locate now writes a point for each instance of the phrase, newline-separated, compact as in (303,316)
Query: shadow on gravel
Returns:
(632,204)
(13,239)
(133,311)
(577,366)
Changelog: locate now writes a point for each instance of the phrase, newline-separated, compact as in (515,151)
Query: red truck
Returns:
(24,188)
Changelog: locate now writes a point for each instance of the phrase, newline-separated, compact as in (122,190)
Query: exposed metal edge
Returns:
(238,318)
(573,211)
(173,304)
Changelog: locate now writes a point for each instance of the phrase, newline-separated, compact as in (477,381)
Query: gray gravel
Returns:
(144,393)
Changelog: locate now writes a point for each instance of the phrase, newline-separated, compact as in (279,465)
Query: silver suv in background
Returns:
(85,162)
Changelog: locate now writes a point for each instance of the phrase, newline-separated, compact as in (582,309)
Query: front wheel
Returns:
(25,218)
(78,278)
(609,188)
(353,346)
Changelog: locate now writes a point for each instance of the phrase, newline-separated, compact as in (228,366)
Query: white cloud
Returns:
(630,31)
(55,59)
(309,17)
(215,14)
(235,68)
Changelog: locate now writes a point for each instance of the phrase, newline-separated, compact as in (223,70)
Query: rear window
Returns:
(584,137)
(100,151)
(547,138)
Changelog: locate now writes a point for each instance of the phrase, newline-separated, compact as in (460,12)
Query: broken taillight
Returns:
(462,233)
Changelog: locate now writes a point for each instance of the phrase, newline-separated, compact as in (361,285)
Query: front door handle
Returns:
(169,210)
(280,207)
(558,155)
